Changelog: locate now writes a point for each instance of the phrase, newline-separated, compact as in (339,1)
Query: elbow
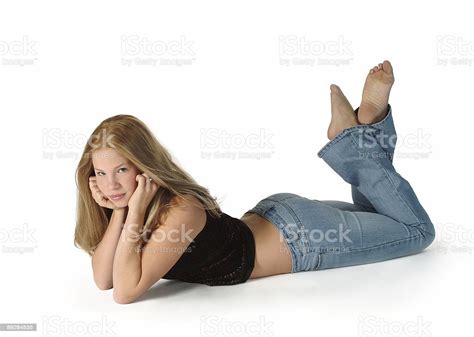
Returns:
(103,285)
(121,298)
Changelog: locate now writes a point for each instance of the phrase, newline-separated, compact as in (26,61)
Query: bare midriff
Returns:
(272,255)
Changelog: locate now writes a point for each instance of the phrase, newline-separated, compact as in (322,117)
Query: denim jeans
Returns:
(385,221)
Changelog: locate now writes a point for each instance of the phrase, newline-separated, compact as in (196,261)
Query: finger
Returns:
(140,178)
(93,187)
(98,197)
(147,178)
(97,190)
(104,200)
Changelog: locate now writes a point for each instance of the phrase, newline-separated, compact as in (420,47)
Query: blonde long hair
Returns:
(133,140)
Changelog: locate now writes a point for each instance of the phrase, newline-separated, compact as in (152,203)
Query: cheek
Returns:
(130,183)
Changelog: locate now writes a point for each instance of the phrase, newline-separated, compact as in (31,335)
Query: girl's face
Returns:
(115,175)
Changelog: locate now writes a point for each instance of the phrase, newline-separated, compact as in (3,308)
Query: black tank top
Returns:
(223,253)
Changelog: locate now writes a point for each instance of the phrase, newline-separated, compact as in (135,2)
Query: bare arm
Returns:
(134,272)
(103,258)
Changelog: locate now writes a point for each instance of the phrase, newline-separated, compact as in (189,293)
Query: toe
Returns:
(387,67)
(334,88)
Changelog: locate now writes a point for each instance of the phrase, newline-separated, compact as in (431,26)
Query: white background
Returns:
(63,70)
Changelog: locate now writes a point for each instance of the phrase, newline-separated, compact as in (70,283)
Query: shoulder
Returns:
(185,220)
(188,210)
(186,200)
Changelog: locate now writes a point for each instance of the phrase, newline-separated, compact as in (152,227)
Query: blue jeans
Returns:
(385,221)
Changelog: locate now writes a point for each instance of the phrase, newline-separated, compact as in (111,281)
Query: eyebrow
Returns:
(98,169)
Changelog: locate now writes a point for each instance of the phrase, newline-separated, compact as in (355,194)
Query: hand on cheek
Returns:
(144,192)
(98,195)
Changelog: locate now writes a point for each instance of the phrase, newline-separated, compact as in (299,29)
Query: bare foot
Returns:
(342,113)
(374,105)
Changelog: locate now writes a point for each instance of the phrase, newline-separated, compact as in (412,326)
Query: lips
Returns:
(117,196)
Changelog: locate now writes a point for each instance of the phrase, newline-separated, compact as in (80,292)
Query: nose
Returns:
(112,182)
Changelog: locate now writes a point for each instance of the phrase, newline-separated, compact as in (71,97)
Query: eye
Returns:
(122,168)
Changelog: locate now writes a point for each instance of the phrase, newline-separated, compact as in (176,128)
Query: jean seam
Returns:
(319,260)
(381,245)
(340,136)
(422,230)
(376,160)
(262,212)
(299,224)
(359,227)
(349,132)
